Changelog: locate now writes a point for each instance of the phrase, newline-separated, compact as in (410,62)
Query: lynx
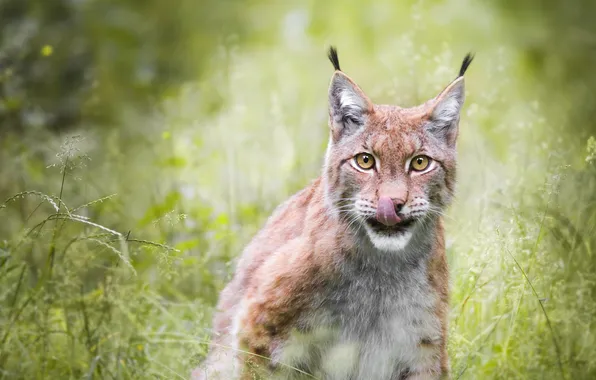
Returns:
(348,279)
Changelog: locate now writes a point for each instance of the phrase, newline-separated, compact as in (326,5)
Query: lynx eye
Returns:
(364,161)
(420,163)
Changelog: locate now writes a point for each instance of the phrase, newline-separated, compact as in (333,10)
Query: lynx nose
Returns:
(387,210)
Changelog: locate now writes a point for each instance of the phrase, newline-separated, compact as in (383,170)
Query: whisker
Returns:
(351,220)
(440,213)
(435,209)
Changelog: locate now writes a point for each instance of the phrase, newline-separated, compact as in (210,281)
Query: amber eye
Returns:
(420,163)
(364,161)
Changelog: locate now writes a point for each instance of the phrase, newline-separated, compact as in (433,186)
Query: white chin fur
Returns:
(394,243)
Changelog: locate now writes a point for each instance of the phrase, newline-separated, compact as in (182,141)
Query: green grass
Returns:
(77,302)
(80,299)
(115,243)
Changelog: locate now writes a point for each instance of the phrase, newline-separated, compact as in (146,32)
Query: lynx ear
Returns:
(446,107)
(348,106)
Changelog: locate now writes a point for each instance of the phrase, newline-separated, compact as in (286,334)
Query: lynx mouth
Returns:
(398,228)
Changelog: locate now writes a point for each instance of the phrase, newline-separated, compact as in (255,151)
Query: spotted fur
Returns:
(323,291)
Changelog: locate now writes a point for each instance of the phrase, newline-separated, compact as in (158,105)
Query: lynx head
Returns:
(389,170)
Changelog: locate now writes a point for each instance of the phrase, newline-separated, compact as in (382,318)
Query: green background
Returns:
(143,143)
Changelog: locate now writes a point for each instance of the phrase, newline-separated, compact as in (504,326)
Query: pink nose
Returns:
(386,210)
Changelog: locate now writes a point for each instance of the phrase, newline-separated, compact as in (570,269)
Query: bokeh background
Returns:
(143,143)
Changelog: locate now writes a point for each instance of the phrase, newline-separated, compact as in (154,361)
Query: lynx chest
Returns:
(370,323)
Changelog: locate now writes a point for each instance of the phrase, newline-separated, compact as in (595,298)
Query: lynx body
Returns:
(348,279)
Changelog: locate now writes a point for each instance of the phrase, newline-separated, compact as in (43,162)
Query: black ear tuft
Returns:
(464,65)
(333,58)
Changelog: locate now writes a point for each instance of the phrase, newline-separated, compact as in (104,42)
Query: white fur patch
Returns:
(392,243)
(351,101)
(236,330)
(340,360)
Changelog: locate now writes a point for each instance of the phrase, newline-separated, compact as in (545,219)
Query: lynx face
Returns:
(388,169)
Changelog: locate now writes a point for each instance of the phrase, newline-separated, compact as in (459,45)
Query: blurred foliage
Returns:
(558,40)
(143,143)
(63,61)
